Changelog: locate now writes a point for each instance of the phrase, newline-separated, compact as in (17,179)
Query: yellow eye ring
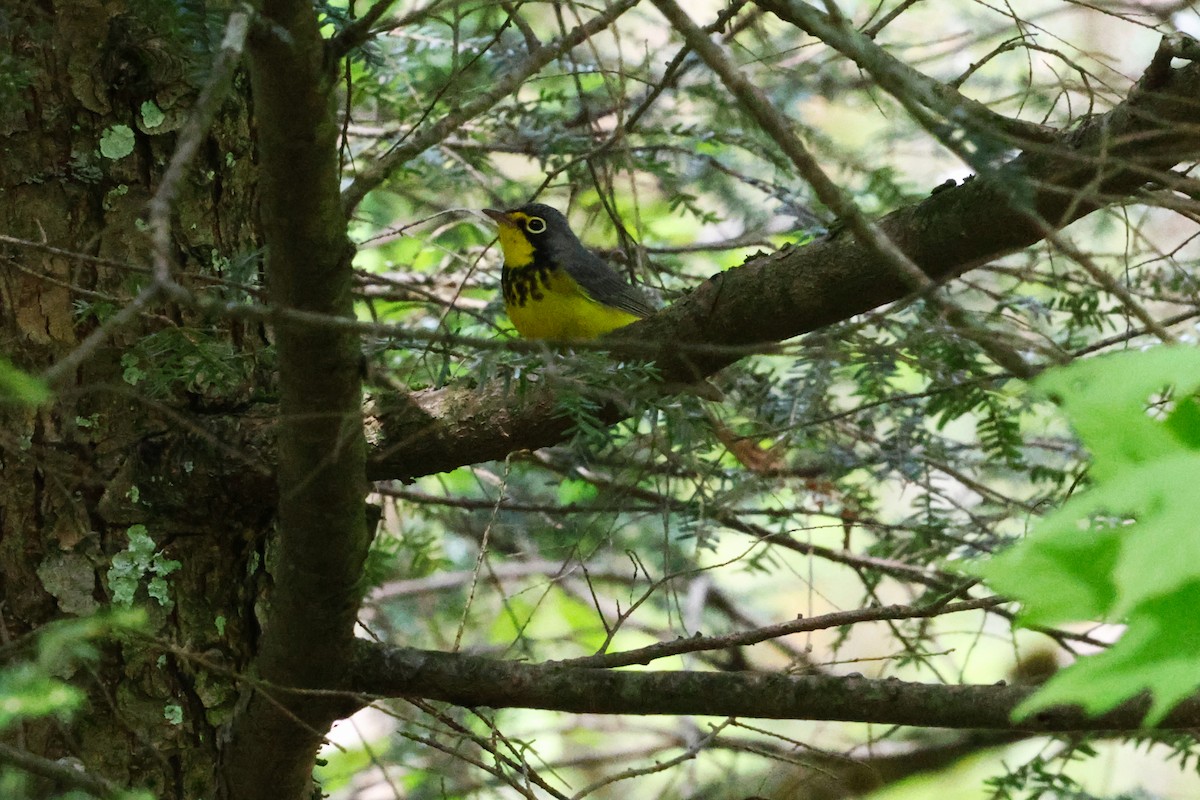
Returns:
(535,225)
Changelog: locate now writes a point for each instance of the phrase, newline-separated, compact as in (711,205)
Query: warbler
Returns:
(554,287)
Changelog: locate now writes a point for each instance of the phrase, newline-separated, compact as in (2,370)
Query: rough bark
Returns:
(107,455)
(323,535)
(473,681)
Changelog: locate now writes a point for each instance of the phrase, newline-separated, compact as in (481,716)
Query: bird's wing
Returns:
(605,286)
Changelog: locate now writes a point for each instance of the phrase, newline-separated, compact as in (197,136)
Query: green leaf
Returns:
(30,689)
(1106,400)
(133,374)
(1063,576)
(572,491)
(1158,652)
(1126,549)
(1164,494)
(27,692)
(1184,422)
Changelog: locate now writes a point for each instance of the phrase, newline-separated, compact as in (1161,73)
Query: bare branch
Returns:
(645,655)
(474,681)
(899,79)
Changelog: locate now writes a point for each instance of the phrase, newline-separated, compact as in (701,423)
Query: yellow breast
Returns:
(548,304)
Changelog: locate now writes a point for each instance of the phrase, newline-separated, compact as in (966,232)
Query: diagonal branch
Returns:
(1106,159)
(901,80)
(911,87)
(61,773)
(834,619)
(779,128)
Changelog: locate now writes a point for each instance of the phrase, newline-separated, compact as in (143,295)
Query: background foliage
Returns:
(874,463)
(896,447)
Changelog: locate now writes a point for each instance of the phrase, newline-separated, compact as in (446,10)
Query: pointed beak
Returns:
(501,218)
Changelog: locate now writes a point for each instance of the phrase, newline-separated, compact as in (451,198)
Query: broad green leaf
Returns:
(1062,575)
(1159,652)
(576,491)
(27,692)
(1160,553)
(1184,422)
(1127,548)
(1106,400)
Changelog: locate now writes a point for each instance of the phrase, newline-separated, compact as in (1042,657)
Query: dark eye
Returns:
(535,225)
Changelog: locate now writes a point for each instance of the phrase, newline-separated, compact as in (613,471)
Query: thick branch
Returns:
(474,681)
(322,530)
(1105,159)
(879,247)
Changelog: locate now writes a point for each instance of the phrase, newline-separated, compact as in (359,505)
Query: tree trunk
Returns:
(138,441)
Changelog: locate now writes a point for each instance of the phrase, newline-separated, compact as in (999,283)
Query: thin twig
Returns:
(898,78)
(483,553)
(359,31)
(873,30)
(378,172)
(658,766)
(190,137)
(778,127)
(837,619)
